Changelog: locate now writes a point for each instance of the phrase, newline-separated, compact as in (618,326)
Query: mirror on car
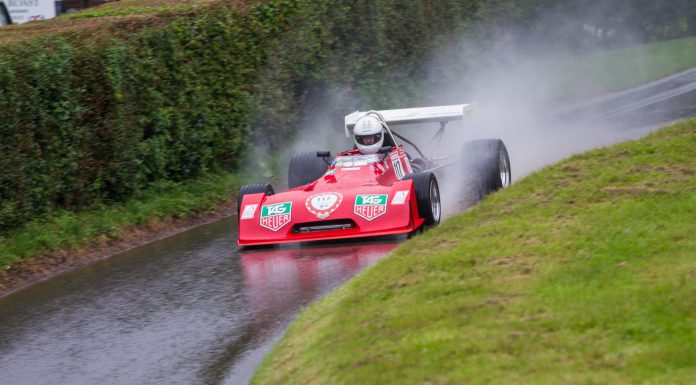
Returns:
(323,154)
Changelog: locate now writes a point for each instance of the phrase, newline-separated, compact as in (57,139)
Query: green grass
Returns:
(623,68)
(118,18)
(582,273)
(128,11)
(162,201)
(137,7)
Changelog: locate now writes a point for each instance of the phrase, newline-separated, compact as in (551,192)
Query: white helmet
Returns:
(369,134)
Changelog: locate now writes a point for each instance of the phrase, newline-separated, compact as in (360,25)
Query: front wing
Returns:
(300,216)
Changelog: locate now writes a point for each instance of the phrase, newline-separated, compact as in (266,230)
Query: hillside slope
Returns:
(581,273)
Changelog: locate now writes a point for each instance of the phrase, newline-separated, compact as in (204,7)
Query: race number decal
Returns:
(323,204)
(275,216)
(396,163)
(400,197)
(249,211)
(370,206)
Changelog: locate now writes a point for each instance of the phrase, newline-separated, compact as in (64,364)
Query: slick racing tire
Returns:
(486,165)
(305,168)
(427,196)
(253,188)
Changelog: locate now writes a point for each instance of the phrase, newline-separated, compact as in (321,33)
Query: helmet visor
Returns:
(367,140)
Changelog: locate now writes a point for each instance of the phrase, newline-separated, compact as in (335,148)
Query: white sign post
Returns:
(22,11)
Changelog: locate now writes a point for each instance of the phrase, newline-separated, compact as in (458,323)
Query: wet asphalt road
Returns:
(185,310)
(191,309)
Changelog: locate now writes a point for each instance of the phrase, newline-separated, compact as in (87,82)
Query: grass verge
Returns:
(120,18)
(65,230)
(622,68)
(582,273)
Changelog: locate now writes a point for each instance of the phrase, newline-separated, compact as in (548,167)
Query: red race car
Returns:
(358,194)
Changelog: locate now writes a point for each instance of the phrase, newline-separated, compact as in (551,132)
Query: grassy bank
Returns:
(116,19)
(160,202)
(584,272)
(623,68)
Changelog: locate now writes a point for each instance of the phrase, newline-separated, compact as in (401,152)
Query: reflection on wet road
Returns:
(189,309)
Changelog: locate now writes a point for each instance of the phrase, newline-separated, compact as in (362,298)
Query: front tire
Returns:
(305,168)
(253,188)
(427,196)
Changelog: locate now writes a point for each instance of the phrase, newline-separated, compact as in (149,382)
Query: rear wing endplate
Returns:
(416,115)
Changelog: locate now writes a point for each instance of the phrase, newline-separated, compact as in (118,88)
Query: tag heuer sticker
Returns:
(275,216)
(323,204)
(370,206)
(249,211)
(399,197)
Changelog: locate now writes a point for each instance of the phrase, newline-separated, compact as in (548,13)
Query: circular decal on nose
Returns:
(322,205)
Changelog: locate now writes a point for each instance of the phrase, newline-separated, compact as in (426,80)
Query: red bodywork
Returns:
(358,196)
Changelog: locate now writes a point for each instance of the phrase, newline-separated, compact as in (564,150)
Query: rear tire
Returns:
(427,196)
(486,166)
(305,168)
(253,188)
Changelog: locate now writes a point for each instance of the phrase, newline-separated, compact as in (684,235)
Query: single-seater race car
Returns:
(358,195)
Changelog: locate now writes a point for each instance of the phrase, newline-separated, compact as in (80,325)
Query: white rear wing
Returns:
(416,115)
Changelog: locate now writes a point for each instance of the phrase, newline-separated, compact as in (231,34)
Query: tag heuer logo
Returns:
(323,204)
(370,206)
(276,215)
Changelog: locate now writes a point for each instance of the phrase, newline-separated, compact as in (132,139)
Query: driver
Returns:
(369,134)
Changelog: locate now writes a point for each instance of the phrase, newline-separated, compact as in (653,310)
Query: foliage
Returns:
(84,121)
(580,273)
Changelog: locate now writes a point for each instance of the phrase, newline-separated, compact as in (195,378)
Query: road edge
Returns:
(48,265)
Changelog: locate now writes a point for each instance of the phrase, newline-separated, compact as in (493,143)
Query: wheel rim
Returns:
(504,170)
(435,207)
